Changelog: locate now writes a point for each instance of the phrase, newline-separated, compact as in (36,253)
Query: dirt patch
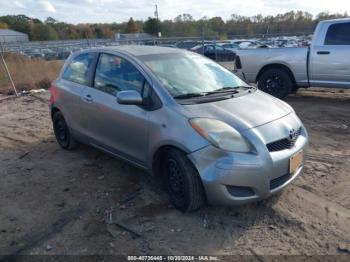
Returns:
(85,202)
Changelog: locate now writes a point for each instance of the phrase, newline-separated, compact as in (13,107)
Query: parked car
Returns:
(229,46)
(172,45)
(63,53)
(279,71)
(49,54)
(188,44)
(182,117)
(286,43)
(35,53)
(215,52)
(249,44)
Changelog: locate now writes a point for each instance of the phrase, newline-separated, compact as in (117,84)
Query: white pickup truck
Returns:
(279,71)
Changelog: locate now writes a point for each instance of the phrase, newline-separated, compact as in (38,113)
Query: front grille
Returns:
(285,143)
(279,181)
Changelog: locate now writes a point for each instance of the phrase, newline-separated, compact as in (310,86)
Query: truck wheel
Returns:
(276,82)
(61,130)
(182,181)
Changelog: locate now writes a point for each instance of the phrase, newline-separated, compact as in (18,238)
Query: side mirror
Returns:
(129,97)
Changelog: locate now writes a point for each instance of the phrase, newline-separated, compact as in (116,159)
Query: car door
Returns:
(329,60)
(119,129)
(76,76)
(209,51)
(224,55)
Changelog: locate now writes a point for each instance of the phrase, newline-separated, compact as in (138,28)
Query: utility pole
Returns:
(157,17)
(203,34)
(267,30)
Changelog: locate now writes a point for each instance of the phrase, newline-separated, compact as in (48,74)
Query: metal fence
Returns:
(59,50)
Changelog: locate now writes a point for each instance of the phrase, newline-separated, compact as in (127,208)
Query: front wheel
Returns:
(276,82)
(182,181)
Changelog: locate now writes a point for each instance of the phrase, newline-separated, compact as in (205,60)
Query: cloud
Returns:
(19,4)
(47,6)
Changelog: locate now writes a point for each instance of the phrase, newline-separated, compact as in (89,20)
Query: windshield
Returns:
(187,73)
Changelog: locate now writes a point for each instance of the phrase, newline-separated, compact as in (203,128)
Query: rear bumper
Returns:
(236,178)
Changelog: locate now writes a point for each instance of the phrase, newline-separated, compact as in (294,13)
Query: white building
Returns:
(10,36)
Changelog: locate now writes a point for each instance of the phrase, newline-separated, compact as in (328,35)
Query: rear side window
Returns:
(78,69)
(338,34)
(209,48)
(114,74)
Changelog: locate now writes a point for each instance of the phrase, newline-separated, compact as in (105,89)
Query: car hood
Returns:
(243,112)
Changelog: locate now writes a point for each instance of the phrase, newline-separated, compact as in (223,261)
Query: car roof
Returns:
(139,50)
(338,20)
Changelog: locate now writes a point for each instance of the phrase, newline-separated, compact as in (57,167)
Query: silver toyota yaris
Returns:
(207,134)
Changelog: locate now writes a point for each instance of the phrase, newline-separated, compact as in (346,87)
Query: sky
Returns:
(99,11)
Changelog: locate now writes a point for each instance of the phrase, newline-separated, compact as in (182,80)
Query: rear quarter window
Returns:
(78,69)
(338,34)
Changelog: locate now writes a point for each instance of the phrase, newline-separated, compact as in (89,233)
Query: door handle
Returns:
(88,98)
(323,52)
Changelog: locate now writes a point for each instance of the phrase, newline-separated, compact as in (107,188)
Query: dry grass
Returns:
(28,73)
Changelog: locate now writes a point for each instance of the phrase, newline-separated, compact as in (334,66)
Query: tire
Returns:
(276,82)
(182,181)
(62,133)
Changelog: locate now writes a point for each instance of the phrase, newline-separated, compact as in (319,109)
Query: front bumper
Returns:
(231,178)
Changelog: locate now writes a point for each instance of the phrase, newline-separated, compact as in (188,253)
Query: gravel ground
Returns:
(84,202)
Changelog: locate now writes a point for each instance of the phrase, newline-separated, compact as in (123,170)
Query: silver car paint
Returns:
(331,70)
(250,170)
(133,134)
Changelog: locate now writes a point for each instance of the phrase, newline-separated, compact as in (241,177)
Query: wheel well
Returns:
(54,110)
(279,66)
(158,157)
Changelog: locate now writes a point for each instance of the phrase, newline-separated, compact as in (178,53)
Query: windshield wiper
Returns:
(189,95)
(231,90)
(223,90)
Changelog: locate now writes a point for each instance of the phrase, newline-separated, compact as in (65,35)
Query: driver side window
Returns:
(114,74)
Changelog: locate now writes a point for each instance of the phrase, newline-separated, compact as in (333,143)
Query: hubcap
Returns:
(61,130)
(274,84)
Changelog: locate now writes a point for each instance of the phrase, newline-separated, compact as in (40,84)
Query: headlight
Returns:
(221,134)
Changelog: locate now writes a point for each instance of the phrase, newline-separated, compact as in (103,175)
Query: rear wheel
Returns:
(62,133)
(182,181)
(276,82)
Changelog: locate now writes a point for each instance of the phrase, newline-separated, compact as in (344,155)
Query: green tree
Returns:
(62,30)
(85,31)
(151,26)
(72,32)
(50,20)
(20,23)
(131,26)
(185,25)
(43,32)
